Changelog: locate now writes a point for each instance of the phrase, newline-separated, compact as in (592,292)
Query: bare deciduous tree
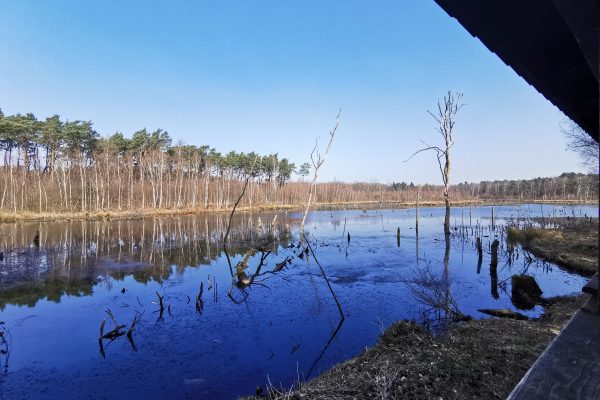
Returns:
(446,118)
(583,144)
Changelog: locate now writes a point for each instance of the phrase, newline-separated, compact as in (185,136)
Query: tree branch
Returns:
(437,150)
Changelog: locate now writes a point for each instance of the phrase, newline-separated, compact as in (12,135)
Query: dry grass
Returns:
(152,212)
(572,245)
(93,215)
(481,359)
(149,212)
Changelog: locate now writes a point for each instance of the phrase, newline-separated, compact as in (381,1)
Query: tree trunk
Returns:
(206,178)
(447,190)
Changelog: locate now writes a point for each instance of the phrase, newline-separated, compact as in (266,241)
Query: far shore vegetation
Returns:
(341,205)
(54,169)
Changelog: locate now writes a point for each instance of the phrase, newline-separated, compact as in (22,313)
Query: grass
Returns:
(572,243)
(482,359)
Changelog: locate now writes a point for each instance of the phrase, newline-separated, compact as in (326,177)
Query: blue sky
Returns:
(270,76)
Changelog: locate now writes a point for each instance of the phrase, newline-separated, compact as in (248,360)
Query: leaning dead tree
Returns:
(317,161)
(446,118)
(241,196)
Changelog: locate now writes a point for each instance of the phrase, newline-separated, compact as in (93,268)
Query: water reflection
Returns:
(71,258)
(224,315)
(329,341)
(433,291)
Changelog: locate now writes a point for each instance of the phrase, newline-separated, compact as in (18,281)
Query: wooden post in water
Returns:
(479,255)
(494,270)
(417,212)
(398,237)
(492,217)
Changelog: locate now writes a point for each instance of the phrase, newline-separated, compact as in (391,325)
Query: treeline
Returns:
(56,166)
(567,186)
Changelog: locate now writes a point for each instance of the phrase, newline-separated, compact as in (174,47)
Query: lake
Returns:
(278,324)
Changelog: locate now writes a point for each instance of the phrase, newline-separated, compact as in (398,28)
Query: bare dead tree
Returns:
(446,118)
(583,144)
(317,161)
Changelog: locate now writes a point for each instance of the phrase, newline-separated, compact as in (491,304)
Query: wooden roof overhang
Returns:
(552,44)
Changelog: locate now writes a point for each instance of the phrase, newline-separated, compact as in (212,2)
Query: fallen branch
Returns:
(116,332)
(504,313)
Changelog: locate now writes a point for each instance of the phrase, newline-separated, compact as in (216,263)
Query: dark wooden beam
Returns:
(551,51)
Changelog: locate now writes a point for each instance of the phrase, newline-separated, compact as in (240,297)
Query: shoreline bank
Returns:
(8,217)
(571,244)
(476,359)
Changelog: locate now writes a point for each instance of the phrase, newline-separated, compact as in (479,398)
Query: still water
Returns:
(275,322)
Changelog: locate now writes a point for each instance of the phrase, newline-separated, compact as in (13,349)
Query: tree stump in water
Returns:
(525,291)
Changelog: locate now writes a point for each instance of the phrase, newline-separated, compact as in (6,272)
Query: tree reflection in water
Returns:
(73,257)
